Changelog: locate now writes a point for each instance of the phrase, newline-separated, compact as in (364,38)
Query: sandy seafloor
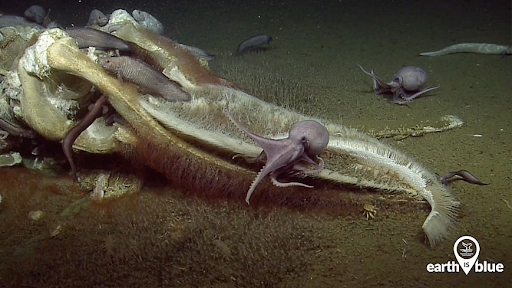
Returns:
(158,239)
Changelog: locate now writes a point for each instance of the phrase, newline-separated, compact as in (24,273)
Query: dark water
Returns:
(160,238)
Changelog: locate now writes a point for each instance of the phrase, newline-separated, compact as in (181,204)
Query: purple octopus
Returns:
(306,140)
(405,86)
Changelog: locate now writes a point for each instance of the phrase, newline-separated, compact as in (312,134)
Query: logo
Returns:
(465,255)
(466,250)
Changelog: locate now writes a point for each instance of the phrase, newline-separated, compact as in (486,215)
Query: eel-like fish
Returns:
(73,133)
(148,79)
(148,21)
(465,175)
(11,20)
(197,52)
(253,42)
(16,130)
(35,13)
(479,48)
(97,18)
(87,37)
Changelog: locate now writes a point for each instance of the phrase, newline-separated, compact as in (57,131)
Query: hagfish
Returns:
(466,176)
(197,52)
(16,130)
(148,79)
(148,21)
(253,42)
(35,13)
(69,139)
(479,48)
(87,37)
(97,18)
(11,20)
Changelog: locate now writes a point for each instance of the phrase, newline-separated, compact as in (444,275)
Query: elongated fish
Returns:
(148,21)
(11,20)
(464,175)
(253,42)
(87,37)
(15,129)
(73,133)
(479,48)
(148,79)
(197,52)
(35,13)
(97,18)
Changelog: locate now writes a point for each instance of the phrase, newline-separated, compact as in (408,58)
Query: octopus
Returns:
(306,140)
(405,86)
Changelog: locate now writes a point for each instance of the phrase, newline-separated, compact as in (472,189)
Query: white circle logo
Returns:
(466,250)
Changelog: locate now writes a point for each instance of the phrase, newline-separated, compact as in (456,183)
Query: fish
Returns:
(88,37)
(11,20)
(465,175)
(15,129)
(35,13)
(97,18)
(197,52)
(253,42)
(479,48)
(146,77)
(148,21)
(73,133)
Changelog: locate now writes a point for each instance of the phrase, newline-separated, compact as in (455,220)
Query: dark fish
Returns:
(97,18)
(148,79)
(253,42)
(87,37)
(148,21)
(73,133)
(35,13)
(197,52)
(465,175)
(16,130)
(11,20)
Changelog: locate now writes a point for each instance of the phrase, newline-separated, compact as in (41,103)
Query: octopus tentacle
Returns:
(255,183)
(415,95)
(378,85)
(318,166)
(400,94)
(287,184)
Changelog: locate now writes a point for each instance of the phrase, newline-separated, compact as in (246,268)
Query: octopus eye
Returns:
(304,142)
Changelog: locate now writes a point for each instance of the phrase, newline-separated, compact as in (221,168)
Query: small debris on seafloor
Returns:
(35,215)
